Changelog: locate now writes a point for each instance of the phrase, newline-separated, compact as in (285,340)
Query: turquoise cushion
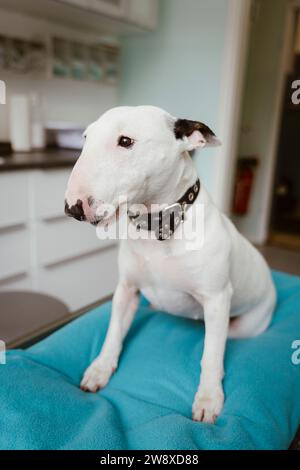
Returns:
(147,404)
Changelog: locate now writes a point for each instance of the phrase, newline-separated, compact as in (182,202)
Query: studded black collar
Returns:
(165,222)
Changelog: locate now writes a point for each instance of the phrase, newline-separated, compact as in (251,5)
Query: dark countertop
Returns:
(41,159)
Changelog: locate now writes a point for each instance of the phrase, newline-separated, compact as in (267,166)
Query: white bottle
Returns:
(38,139)
(20,123)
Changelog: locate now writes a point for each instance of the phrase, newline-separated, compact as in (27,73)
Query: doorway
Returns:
(284,229)
(269,123)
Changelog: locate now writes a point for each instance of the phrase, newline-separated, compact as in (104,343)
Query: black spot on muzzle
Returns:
(75,211)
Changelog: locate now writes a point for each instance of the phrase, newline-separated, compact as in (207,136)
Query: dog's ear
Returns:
(195,133)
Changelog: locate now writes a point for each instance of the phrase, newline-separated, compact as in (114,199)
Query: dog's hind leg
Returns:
(256,321)
(124,306)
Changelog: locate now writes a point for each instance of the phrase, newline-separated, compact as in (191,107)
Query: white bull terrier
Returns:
(140,154)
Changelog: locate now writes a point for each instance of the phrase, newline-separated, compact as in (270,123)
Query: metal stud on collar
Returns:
(165,222)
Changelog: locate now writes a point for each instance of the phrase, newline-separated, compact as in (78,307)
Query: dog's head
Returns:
(130,153)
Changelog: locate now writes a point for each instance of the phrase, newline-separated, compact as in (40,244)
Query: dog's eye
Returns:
(125,142)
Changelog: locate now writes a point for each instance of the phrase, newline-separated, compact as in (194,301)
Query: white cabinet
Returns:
(116,17)
(15,252)
(49,188)
(14,231)
(20,282)
(83,280)
(77,3)
(140,12)
(143,13)
(14,201)
(41,249)
(109,7)
(75,238)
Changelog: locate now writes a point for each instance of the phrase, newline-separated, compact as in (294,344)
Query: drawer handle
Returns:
(12,227)
(13,278)
(54,218)
(55,264)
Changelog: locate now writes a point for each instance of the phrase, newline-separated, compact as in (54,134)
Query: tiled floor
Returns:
(282,259)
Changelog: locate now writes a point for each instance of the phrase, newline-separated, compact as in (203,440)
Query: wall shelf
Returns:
(76,16)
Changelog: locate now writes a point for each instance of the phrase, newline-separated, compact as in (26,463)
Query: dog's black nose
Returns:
(75,211)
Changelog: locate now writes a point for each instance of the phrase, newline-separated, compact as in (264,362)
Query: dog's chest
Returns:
(165,281)
(162,268)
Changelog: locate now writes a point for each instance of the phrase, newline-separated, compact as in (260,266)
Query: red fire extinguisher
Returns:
(244,184)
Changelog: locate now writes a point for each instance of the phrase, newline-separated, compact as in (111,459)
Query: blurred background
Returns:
(233,64)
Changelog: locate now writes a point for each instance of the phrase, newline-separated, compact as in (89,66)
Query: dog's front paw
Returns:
(207,406)
(97,375)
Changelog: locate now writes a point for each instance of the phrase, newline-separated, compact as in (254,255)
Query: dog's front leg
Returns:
(209,398)
(124,306)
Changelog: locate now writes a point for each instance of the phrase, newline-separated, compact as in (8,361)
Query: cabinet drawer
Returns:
(64,238)
(82,281)
(14,205)
(50,188)
(14,252)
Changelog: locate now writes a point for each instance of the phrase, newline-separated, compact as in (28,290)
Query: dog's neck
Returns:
(178,182)
(180,190)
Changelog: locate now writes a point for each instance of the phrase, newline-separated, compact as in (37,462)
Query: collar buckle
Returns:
(177,209)
(164,222)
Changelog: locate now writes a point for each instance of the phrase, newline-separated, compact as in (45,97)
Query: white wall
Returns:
(63,99)
(179,67)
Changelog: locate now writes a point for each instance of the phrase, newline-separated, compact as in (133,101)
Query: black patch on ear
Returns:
(185,127)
